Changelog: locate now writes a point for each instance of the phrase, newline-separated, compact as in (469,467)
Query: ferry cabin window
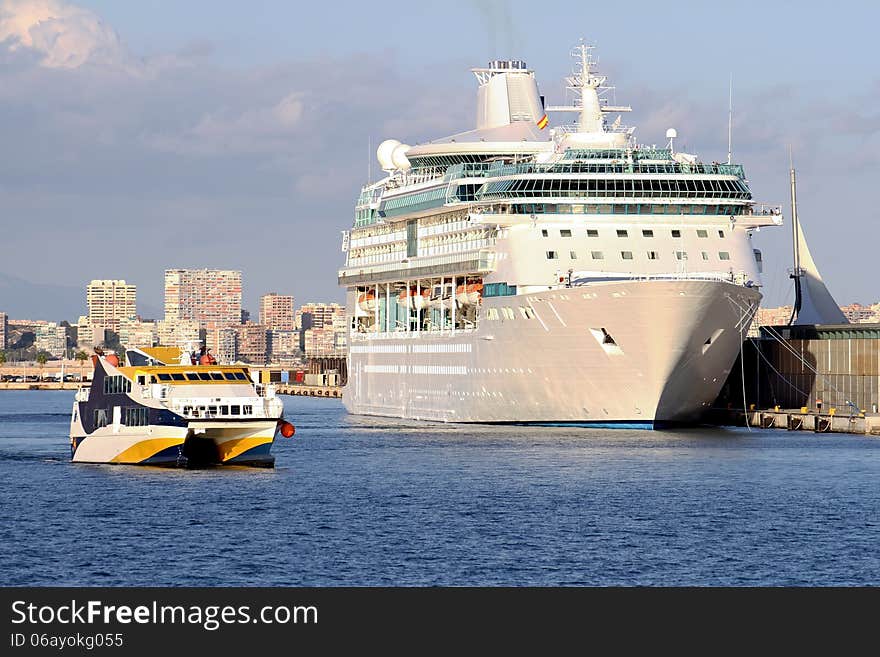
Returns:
(676,233)
(723,255)
(720,233)
(240,376)
(705,255)
(164,377)
(596,255)
(621,233)
(216,376)
(492,314)
(205,376)
(552,255)
(507,312)
(229,376)
(647,233)
(100,417)
(573,255)
(134,417)
(653,255)
(248,410)
(116,385)
(681,255)
(702,233)
(592,233)
(626,255)
(224,410)
(178,376)
(235,410)
(565,233)
(544,233)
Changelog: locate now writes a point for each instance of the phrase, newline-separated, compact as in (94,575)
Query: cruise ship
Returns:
(168,408)
(535,271)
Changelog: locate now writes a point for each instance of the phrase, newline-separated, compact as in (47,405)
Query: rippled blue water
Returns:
(360,501)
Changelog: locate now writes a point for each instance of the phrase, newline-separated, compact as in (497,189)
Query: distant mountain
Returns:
(21,299)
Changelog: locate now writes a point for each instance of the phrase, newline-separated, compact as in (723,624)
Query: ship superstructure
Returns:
(520,272)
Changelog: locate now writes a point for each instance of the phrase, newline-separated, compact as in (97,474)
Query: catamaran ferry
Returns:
(525,272)
(164,408)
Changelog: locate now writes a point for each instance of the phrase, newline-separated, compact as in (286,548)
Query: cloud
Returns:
(63,35)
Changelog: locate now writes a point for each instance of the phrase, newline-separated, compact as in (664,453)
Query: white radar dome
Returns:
(398,157)
(383,153)
(672,133)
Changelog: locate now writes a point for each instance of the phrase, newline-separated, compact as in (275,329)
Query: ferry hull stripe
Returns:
(145,449)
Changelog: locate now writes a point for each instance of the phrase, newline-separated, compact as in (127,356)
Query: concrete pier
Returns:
(799,420)
(308,391)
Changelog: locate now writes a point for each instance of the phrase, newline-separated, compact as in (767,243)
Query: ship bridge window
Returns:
(177,376)
(216,376)
(596,255)
(241,376)
(204,376)
(591,232)
(565,233)
(544,233)
(622,233)
(702,233)
(705,255)
(626,255)
(676,233)
(164,377)
(552,255)
(653,255)
(681,255)
(573,255)
(723,255)
(720,233)
(647,233)
(229,376)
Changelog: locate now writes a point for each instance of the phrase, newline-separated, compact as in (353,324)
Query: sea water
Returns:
(378,501)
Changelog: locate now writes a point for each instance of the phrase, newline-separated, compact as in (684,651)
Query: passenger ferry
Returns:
(533,271)
(163,409)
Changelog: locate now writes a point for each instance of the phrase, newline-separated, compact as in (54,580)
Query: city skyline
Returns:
(259,167)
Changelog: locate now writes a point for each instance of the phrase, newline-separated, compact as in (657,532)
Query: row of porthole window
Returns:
(628,255)
(646,232)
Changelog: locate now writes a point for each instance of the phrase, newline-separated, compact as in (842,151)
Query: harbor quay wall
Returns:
(821,378)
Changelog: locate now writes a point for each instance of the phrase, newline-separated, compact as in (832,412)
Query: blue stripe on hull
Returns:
(586,424)
(168,456)
(259,455)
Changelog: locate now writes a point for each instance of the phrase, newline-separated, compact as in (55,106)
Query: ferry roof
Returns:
(189,374)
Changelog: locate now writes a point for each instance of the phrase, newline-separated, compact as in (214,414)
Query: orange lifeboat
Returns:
(469,295)
(414,298)
(367,301)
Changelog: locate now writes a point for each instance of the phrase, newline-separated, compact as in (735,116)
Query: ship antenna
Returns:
(369,159)
(730,123)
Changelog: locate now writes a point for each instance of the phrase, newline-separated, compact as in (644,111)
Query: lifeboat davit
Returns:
(469,295)
(414,298)
(367,301)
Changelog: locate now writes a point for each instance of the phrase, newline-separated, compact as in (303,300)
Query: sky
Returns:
(143,136)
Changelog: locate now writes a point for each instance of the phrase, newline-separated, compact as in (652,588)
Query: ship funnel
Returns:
(508,93)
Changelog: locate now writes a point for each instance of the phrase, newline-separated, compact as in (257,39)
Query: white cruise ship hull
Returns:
(674,342)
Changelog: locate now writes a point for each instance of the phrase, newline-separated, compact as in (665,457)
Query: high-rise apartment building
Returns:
(4,329)
(110,301)
(276,312)
(323,329)
(211,297)
(178,333)
(251,345)
(51,338)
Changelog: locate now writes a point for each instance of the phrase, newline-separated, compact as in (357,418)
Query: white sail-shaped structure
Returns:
(817,306)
